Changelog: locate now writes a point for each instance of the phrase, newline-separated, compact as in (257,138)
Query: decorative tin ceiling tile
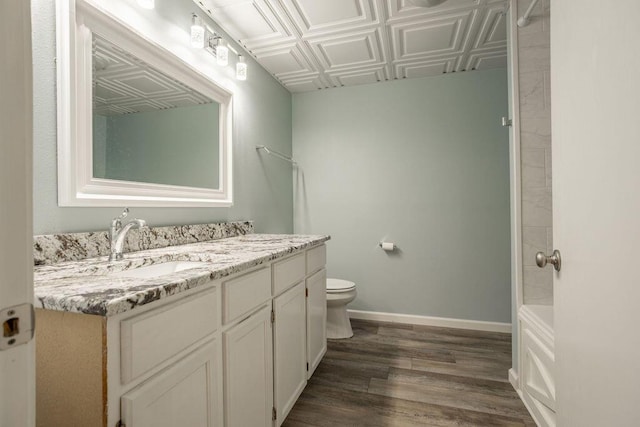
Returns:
(317,44)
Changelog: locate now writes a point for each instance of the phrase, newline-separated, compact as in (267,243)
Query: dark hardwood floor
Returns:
(403,375)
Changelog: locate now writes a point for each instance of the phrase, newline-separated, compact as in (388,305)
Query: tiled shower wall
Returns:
(535,142)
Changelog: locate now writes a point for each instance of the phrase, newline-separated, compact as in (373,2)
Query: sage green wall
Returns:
(262,113)
(178,146)
(422,163)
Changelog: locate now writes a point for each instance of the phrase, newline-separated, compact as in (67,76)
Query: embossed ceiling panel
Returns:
(286,60)
(256,22)
(430,38)
(349,51)
(314,17)
(317,44)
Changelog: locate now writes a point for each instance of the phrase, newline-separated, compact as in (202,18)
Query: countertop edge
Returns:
(173,284)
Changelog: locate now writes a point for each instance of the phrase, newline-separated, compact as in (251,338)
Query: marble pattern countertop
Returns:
(85,286)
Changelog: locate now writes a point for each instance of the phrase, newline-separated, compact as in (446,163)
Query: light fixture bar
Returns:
(202,36)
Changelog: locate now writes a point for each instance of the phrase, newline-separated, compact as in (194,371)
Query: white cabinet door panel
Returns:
(186,394)
(248,384)
(290,353)
(316,319)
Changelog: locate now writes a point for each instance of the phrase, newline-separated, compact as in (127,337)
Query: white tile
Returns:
(535,132)
(548,167)
(546,76)
(536,207)
(533,169)
(538,285)
(534,240)
(532,103)
(534,53)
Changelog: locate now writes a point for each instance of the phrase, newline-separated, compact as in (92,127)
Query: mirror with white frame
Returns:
(137,126)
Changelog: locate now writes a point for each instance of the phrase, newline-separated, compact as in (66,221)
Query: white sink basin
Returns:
(157,270)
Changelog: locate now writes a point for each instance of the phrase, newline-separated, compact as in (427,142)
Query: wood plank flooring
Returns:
(404,375)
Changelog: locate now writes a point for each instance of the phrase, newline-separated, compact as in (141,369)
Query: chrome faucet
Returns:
(118,232)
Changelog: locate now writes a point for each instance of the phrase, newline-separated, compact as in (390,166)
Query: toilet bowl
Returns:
(339,294)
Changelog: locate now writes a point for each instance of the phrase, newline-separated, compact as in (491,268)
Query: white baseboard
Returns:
(476,325)
(514,379)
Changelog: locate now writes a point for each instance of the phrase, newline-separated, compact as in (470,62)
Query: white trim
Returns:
(529,316)
(515,162)
(76,185)
(17,361)
(514,379)
(445,322)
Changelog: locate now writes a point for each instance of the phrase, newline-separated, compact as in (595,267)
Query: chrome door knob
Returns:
(554,259)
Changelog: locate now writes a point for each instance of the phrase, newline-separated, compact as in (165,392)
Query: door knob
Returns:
(554,259)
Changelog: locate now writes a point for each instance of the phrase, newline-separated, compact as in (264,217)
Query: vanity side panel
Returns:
(71,386)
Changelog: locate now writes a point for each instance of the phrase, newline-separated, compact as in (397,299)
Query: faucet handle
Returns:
(124,214)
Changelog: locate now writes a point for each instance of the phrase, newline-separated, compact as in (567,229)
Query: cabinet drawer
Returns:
(316,258)
(153,337)
(245,293)
(288,272)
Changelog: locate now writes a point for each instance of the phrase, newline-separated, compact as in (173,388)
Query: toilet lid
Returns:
(338,285)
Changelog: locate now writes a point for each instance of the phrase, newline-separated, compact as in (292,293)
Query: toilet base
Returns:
(338,323)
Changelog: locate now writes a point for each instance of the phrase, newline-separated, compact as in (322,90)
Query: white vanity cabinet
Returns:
(234,352)
(169,360)
(316,320)
(289,333)
(289,349)
(184,394)
(156,365)
(316,284)
(248,372)
(248,349)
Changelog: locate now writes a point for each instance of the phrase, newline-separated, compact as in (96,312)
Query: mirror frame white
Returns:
(75,23)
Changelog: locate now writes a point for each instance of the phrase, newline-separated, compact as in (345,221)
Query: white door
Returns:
(596,201)
(248,370)
(17,361)
(289,349)
(316,320)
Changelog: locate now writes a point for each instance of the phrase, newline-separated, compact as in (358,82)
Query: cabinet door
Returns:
(186,394)
(290,352)
(316,319)
(248,380)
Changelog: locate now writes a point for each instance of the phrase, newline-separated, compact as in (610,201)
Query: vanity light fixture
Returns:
(205,37)
(222,53)
(197,32)
(147,4)
(241,68)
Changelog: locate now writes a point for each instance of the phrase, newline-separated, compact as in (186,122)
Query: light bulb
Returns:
(241,68)
(147,4)
(197,32)
(222,53)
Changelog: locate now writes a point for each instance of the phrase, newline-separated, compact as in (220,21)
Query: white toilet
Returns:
(339,294)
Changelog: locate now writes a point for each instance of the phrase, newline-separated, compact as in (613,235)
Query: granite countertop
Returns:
(85,286)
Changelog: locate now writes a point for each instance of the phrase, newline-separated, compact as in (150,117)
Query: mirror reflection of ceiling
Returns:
(124,84)
(318,44)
